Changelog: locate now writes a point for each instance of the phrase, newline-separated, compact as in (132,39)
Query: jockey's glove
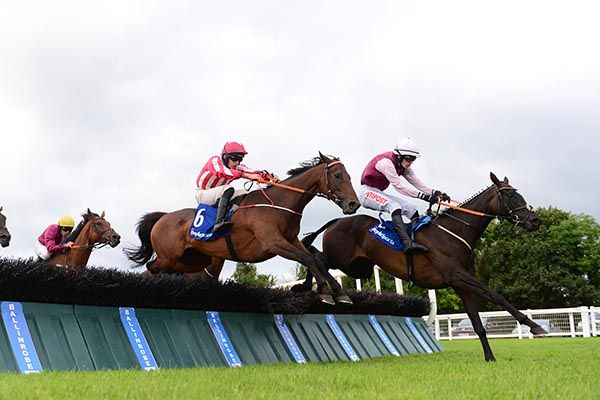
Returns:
(443,196)
(430,198)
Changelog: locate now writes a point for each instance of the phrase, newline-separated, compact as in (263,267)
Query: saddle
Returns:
(386,233)
(203,222)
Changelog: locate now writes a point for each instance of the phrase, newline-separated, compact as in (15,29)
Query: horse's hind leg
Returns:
(471,307)
(297,252)
(463,280)
(305,286)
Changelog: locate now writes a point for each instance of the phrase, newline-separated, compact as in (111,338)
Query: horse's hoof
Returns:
(344,299)
(538,330)
(327,299)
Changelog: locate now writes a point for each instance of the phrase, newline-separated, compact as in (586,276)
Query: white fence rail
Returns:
(576,321)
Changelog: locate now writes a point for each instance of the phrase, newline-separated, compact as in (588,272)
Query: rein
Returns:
(329,196)
(511,216)
(93,246)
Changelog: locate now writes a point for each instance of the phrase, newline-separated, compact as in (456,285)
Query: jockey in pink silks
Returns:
(395,168)
(213,181)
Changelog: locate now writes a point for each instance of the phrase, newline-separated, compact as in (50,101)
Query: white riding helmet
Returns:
(406,147)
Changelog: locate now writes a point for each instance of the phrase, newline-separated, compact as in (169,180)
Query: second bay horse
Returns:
(451,237)
(265,225)
(92,232)
(4,234)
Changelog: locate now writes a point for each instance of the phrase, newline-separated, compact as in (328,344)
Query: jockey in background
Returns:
(50,241)
(394,167)
(213,181)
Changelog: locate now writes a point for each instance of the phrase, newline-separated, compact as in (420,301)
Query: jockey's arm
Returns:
(386,167)
(412,178)
(256,175)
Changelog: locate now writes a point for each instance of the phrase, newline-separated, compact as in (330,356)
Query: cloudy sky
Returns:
(116,105)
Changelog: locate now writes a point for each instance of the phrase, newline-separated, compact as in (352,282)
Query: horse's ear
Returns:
(0,208)
(324,158)
(89,212)
(506,180)
(494,179)
(102,216)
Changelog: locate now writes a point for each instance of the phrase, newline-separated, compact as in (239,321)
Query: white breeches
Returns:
(378,200)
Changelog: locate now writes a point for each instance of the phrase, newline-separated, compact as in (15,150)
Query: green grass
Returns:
(549,368)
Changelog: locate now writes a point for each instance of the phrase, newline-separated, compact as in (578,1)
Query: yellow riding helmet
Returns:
(67,221)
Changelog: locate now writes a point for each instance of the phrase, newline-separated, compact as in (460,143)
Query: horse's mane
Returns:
(73,236)
(462,204)
(308,164)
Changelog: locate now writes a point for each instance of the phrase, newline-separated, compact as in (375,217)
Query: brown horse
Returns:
(91,233)
(265,225)
(4,234)
(348,246)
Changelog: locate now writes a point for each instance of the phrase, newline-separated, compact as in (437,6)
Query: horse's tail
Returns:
(141,255)
(311,236)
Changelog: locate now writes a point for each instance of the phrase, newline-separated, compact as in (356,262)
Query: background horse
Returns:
(4,234)
(93,232)
(348,246)
(265,225)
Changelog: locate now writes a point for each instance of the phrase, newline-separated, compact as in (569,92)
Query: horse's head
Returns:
(335,184)
(101,231)
(4,234)
(512,207)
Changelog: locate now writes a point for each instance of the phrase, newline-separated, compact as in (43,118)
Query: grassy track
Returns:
(550,368)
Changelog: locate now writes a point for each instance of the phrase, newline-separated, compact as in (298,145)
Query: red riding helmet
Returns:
(233,148)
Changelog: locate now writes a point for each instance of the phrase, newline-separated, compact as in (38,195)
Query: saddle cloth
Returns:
(203,223)
(386,233)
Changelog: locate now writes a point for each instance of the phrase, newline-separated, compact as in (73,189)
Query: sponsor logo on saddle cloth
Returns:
(204,220)
(386,233)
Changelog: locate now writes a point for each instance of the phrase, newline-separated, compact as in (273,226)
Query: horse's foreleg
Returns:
(338,292)
(463,280)
(283,248)
(471,307)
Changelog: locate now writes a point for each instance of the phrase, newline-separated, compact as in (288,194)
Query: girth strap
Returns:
(410,264)
(231,248)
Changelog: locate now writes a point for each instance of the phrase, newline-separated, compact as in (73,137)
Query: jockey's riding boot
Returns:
(221,225)
(409,244)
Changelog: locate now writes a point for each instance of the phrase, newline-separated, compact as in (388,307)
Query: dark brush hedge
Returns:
(27,280)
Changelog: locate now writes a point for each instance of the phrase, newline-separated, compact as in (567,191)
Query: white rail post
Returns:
(585,321)
(377,281)
(339,279)
(432,307)
(572,324)
(399,288)
(358,285)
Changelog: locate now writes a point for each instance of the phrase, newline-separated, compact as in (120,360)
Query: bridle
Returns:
(509,216)
(329,195)
(98,245)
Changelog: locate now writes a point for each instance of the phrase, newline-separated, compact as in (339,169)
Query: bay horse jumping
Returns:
(91,233)
(266,224)
(451,237)
(4,234)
